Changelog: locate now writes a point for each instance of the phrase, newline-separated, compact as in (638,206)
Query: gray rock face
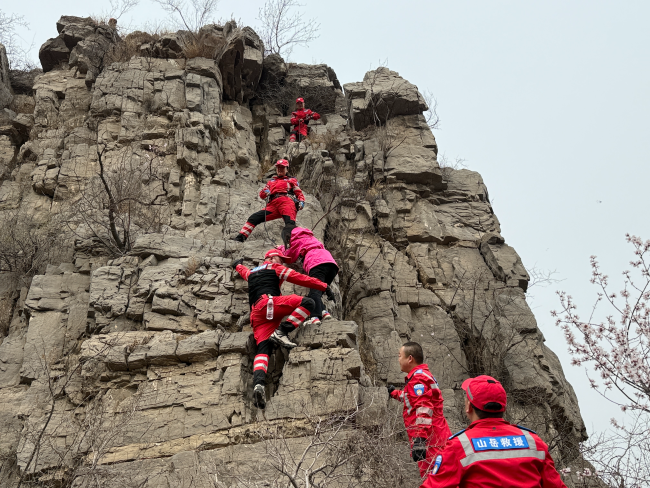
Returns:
(149,354)
(6,95)
(381,95)
(81,43)
(53,53)
(241,63)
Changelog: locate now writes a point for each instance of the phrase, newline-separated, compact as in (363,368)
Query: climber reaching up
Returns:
(317,262)
(269,307)
(279,191)
(300,121)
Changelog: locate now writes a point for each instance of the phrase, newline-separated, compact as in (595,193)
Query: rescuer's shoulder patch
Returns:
(437,464)
(419,389)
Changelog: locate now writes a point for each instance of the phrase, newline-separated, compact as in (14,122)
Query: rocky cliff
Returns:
(126,360)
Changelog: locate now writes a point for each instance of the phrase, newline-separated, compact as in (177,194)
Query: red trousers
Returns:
(281,206)
(282,306)
(277,208)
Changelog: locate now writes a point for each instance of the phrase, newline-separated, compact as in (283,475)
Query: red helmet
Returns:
(282,162)
(300,100)
(275,252)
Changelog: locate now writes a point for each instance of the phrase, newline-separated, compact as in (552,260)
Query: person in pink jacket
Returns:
(316,261)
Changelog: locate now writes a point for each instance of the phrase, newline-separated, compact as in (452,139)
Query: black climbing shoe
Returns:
(259,397)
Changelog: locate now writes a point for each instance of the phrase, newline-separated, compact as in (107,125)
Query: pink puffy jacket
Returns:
(304,244)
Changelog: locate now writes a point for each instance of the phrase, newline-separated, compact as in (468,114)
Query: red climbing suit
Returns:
(282,305)
(280,204)
(300,120)
(493,453)
(422,413)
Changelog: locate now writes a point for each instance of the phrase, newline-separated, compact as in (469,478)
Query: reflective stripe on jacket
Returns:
(493,453)
(423,416)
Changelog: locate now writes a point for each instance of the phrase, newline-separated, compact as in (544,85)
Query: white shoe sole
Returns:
(280,342)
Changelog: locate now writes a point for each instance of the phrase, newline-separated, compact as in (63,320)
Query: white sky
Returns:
(549,101)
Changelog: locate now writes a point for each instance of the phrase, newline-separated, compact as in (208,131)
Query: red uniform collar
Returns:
(488,423)
(422,366)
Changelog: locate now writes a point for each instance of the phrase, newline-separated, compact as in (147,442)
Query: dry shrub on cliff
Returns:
(128,47)
(124,199)
(190,15)
(366,446)
(204,44)
(283,28)
(28,246)
(90,420)
(328,140)
(282,95)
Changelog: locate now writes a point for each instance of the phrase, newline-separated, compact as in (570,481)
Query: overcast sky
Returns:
(549,101)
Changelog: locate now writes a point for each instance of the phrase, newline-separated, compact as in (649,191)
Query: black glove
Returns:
(391,389)
(419,451)
(330,294)
(234,264)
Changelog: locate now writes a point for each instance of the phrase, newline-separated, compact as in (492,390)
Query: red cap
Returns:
(274,252)
(282,162)
(483,390)
(300,100)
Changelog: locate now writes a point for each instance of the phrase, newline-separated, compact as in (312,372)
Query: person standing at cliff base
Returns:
(278,190)
(423,418)
(317,262)
(300,120)
(269,307)
(492,452)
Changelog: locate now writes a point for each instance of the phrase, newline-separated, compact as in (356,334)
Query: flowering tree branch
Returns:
(617,347)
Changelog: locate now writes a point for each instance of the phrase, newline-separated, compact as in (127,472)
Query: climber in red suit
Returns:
(300,121)
(277,190)
(423,417)
(269,308)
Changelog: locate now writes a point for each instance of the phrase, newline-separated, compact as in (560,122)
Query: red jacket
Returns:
(305,245)
(301,118)
(267,279)
(423,407)
(492,453)
(282,184)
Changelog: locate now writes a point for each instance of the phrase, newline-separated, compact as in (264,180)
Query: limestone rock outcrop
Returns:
(381,95)
(6,94)
(130,356)
(81,43)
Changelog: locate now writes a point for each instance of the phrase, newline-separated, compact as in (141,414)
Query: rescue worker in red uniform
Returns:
(425,424)
(278,191)
(300,121)
(491,452)
(269,307)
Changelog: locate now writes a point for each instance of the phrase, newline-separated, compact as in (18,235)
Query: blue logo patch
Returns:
(419,389)
(436,466)
(419,371)
(502,443)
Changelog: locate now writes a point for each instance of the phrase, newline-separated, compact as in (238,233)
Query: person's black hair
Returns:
(484,414)
(414,349)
